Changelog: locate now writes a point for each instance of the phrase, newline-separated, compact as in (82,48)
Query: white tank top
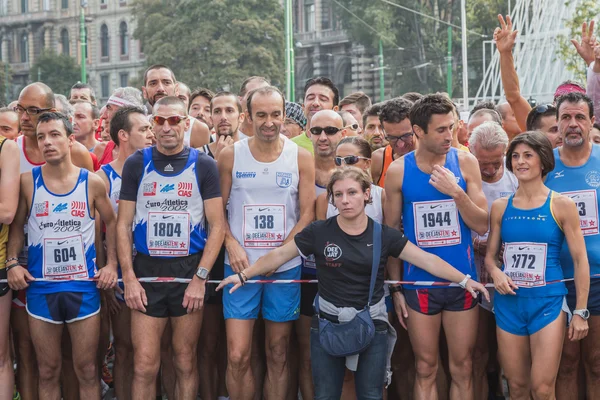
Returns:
(373,210)
(26,164)
(263,203)
(114,179)
(187,135)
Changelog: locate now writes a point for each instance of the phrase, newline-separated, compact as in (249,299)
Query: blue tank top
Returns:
(581,184)
(532,242)
(432,221)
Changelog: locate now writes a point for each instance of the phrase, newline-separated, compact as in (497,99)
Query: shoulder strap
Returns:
(2,141)
(376,258)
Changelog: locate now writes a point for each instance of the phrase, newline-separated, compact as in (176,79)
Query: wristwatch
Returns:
(202,273)
(584,313)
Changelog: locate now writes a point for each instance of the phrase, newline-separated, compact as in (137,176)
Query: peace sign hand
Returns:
(505,36)
(585,49)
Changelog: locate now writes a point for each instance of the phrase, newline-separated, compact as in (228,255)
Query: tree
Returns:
(213,43)
(59,71)
(585,11)
(4,82)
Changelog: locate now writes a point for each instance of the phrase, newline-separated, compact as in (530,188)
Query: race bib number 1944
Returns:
(436,223)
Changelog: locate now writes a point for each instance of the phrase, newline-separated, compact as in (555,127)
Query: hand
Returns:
(111,302)
(193,299)
(18,278)
(585,49)
(238,259)
(135,295)
(504,36)
(597,52)
(578,329)
(231,280)
(475,288)
(222,142)
(502,283)
(400,308)
(445,181)
(106,277)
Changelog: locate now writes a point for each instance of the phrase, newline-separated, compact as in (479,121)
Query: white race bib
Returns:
(64,258)
(436,223)
(525,263)
(264,225)
(587,205)
(168,234)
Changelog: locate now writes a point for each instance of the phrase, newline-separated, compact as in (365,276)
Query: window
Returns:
(103,4)
(3,7)
(64,41)
(24,48)
(24,6)
(124,79)
(309,15)
(104,41)
(46,5)
(104,84)
(326,16)
(124,38)
(64,4)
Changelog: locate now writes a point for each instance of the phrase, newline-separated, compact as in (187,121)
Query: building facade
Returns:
(27,27)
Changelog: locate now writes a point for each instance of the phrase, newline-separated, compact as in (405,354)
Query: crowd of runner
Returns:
(100,208)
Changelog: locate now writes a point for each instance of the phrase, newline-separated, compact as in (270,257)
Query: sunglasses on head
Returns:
(543,108)
(348,160)
(354,127)
(329,130)
(172,120)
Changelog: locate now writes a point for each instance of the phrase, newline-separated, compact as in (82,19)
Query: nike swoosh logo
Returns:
(436,206)
(262,209)
(167,216)
(369,244)
(61,243)
(522,248)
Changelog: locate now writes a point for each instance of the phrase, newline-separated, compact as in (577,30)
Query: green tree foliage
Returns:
(213,43)
(422,65)
(585,11)
(59,71)
(4,81)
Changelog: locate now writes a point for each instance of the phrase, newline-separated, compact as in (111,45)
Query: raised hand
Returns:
(505,36)
(585,49)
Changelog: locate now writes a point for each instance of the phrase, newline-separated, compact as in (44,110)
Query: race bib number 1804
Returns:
(436,223)
(168,234)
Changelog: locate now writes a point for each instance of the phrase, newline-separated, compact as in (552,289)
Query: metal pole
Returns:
(83,46)
(292,93)
(381,72)
(449,64)
(465,67)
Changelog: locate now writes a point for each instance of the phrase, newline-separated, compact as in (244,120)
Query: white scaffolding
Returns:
(540,23)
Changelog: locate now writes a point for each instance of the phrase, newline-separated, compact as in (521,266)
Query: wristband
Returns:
(241,278)
(244,276)
(396,289)
(463,283)
(11,259)
(11,266)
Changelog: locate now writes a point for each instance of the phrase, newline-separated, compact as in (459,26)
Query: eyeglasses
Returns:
(172,120)
(354,127)
(30,110)
(348,160)
(329,130)
(407,137)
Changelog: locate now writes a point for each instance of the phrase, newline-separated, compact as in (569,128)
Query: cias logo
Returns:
(332,252)
(60,208)
(78,209)
(184,189)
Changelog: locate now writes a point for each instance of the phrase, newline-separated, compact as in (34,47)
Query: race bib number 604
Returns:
(64,258)
(436,223)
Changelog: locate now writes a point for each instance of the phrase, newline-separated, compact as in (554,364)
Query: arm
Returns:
(322,205)
(306,193)
(200,134)
(100,251)
(9,181)
(80,156)
(264,265)
(19,276)
(505,40)
(377,165)
(567,214)
(593,81)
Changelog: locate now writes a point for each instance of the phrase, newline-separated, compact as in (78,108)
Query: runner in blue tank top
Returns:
(532,224)
(436,190)
(577,175)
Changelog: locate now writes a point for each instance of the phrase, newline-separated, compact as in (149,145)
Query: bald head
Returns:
(41,90)
(36,98)
(325,118)
(325,142)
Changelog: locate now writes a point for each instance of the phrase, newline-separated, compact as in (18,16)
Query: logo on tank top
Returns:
(592,178)
(168,168)
(60,208)
(78,208)
(184,189)
(559,174)
(245,175)
(149,189)
(167,188)
(284,179)
(41,209)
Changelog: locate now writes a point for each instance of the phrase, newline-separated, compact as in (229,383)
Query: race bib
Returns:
(64,258)
(525,263)
(264,225)
(436,223)
(168,234)
(587,206)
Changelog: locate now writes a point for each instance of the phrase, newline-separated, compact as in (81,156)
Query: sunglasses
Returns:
(172,120)
(407,137)
(354,127)
(329,130)
(348,160)
(543,108)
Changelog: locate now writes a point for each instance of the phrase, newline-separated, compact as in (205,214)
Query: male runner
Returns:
(356,104)
(373,131)
(82,92)
(59,201)
(250,84)
(199,106)
(267,184)
(436,192)
(85,122)
(169,193)
(543,118)
(577,167)
(9,123)
(226,112)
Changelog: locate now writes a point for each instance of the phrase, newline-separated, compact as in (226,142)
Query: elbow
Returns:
(7,217)
(482,228)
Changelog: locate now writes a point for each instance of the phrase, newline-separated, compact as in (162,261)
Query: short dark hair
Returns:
(354,173)
(204,92)
(536,114)
(413,97)
(596,124)
(264,90)
(372,111)
(360,99)
(80,85)
(484,104)
(57,116)
(574,98)
(422,111)
(122,121)
(243,88)
(364,148)
(158,66)
(93,108)
(171,101)
(238,103)
(324,81)
(395,110)
(538,143)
